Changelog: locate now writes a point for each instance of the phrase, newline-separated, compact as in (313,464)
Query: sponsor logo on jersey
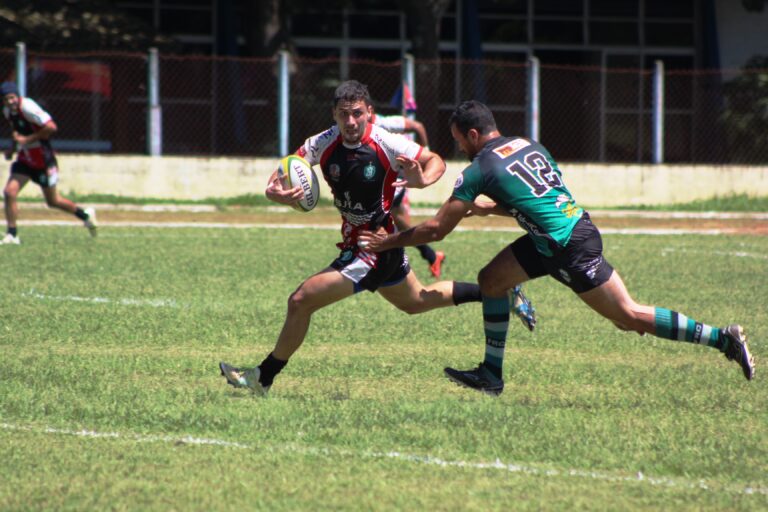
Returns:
(334,172)
(369,171)
(570,210)
(511,147)
(459,181)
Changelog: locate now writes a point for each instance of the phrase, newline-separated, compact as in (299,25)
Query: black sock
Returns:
(80,214)
(427,253)
(270,367)
(12,231)
(466,292)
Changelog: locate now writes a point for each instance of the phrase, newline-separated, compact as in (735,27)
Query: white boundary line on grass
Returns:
(156,303)
(735,254)
(333,227)
(638,477)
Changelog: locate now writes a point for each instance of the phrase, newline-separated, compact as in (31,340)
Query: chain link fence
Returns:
(218,106)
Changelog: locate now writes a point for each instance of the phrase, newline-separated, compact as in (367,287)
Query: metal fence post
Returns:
(658,113)
(21,68)
(283,97)
(532,110)
(154,110)
(409,78)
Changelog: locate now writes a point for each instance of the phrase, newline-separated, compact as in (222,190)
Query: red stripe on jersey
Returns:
(328,151)
(388,191)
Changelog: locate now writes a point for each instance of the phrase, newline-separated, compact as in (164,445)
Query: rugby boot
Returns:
(479,378)
(737,349)
(242,378)
(522,307)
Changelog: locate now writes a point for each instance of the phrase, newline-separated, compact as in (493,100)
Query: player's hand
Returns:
(372,241)
(20,139)
(8,154)
(277,193)
(412,175)
(481,209)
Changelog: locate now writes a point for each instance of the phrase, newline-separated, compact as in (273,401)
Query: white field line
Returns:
(334,227)
(421,211)
(637,477)
(730,254)
(156,303)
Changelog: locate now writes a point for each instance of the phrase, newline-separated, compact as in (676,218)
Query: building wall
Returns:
(596,185)
(742,34)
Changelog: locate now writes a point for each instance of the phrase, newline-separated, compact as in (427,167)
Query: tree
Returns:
(745,118)
(76,25)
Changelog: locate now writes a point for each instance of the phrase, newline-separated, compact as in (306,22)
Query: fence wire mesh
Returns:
(219,106)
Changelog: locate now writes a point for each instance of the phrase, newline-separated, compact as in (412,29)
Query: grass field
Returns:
(111,396)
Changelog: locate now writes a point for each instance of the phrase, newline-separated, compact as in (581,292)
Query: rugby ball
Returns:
(295,171)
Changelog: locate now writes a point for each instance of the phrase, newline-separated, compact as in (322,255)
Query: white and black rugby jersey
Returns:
(29,119)
(360,177)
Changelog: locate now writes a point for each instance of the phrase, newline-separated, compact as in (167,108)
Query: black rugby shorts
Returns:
(579,265)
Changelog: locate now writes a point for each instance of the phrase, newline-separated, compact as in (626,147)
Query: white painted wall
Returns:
(742,34)
(592,185)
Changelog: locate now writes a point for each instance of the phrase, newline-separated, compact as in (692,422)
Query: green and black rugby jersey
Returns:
(522,177)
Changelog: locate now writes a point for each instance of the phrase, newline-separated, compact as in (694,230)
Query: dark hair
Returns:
(473,114)
(352,90)
(8,88)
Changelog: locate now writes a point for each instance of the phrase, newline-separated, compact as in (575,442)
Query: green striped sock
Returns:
(676,326)
(496,324)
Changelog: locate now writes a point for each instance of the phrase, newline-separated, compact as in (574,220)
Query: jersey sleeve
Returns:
(34,113)
(395,145)
(469,184)
(314,146)
(391,123)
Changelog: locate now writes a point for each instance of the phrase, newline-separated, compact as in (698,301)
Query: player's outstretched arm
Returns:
(412,125)
(420,173)
(432,230)
(275,191)
(484,208)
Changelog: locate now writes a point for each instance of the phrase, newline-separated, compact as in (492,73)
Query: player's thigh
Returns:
(612,300)
(324,288)
(411,296)
(51,194)
(15,183)
(503,272)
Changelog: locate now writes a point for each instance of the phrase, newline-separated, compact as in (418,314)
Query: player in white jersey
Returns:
(401,208)
(363,165)
(32,128)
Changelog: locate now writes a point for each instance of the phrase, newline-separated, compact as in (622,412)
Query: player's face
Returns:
(11,101)
(352,118)
(465,143)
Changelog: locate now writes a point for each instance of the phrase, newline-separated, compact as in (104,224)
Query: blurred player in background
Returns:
(523,180)
(32,128)
(401,206)
(360,163)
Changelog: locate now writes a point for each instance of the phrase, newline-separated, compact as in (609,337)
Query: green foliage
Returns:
(110,349)
(745,117)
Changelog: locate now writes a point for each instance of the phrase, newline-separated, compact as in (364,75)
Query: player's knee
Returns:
(489,284)
(298,302)
(9,192)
